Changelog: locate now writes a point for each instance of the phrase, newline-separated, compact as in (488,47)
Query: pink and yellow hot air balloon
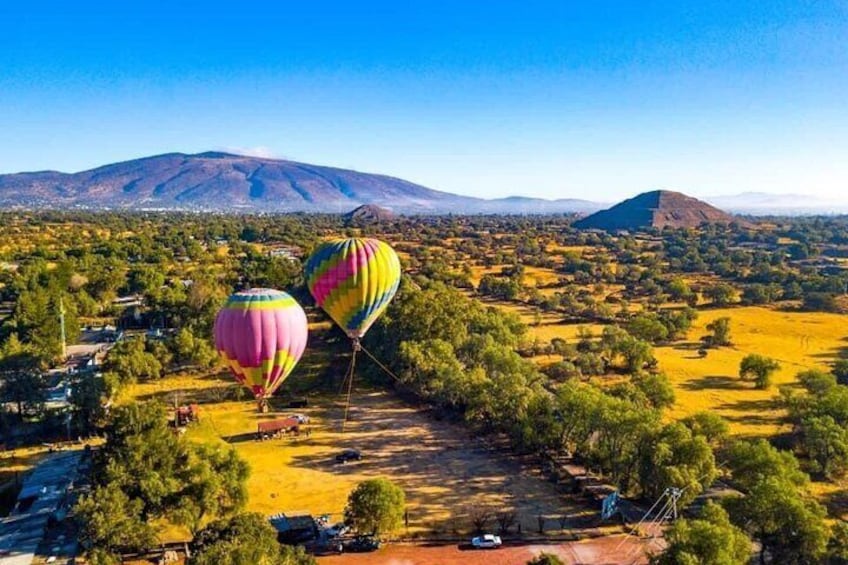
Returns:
(261,333)
(353,281)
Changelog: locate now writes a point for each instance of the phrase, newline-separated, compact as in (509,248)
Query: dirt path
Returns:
(607,550)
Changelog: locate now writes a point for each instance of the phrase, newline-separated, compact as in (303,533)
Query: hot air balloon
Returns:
(353,281)
(261,333)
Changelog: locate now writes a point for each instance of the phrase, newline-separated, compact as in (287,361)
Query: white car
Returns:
(301,418)
(487,541)
(339,529)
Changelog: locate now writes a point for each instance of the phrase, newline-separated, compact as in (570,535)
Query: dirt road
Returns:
(607,550)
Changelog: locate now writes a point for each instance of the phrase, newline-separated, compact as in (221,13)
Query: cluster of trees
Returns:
(777,509)
(507,287)
(755,266)
(710,538)
(243,539)
(821,421)
(461,356)
(145,472)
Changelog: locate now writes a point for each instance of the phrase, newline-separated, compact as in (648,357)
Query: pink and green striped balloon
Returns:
(261,333)
(353,281)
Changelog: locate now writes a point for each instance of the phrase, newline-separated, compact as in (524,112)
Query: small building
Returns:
(291,252)
(294,527)
(46,497)
(273,428)
(129,301)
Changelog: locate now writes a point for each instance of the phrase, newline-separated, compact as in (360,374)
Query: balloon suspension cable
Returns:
(379,364)
(357,346)
(351,367)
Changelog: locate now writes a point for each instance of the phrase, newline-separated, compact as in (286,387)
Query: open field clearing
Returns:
(570,249)
(798,340)
(539,276)
(442,471)
(477,272)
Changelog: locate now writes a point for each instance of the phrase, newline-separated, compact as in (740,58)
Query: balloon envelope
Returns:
(353,281)
(261,333)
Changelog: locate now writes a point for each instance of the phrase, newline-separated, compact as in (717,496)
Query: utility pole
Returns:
(62,324)
(675,495)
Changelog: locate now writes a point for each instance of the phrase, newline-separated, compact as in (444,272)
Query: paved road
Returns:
(608,550)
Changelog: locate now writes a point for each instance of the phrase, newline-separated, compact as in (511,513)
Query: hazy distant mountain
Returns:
(761,203)
(226,182)
(657,209)
(525,205)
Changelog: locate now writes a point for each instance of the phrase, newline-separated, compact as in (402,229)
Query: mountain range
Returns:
(218,181)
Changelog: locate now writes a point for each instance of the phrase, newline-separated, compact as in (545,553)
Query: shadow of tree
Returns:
(720,382)
(837,503)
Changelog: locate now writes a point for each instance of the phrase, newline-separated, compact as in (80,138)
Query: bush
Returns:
(376,506)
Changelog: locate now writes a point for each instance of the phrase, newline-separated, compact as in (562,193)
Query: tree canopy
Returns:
(376,506)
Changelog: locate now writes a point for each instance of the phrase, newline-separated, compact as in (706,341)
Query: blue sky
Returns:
(595,99)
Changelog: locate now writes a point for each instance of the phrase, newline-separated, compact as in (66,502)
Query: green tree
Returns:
(215,485)
(112,521)
(710,539)
(171,476)
(647,328)
(757,461)
(678,289)
(376,506)
(675,457)
(131,361)
(820,302)
(145,279)
(656,387)
(191,350)
(785,520)
(619,427)
(817,382)
(759,368)
(37,321)
(826,443)
(88,396)
(244,539)
(840,371)
(838,546)
(720,333)
(708,424)
(721,294)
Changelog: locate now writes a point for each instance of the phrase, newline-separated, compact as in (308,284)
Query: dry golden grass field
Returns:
(798,340)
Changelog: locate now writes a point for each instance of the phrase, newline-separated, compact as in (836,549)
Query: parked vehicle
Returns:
(348,455)
(486,541)
(362,544)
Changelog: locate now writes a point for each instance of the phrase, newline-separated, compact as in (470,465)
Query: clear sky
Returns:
(594,99)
